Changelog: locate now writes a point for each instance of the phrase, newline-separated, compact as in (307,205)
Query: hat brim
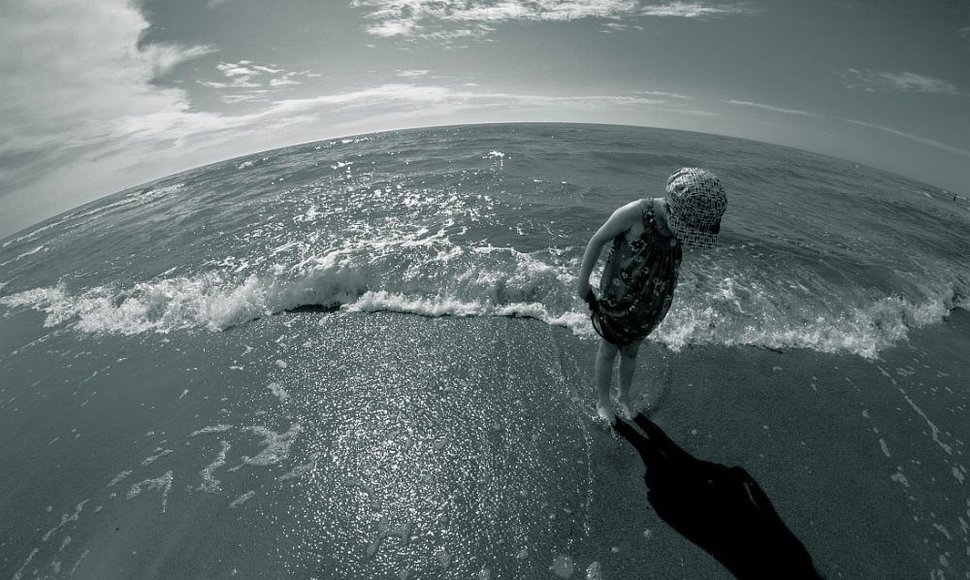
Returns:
(693,237)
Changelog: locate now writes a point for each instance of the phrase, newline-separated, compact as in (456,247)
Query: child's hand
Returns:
(588,296)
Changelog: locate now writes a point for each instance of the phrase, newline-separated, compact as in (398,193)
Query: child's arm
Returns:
(620,222)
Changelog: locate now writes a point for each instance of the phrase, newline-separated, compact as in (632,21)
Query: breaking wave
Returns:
(735,311)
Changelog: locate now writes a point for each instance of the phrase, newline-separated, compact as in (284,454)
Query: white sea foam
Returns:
(20,571)
(66,519)
(161,483)
(277,444)
(349,140)
(207,300)
(562,566)
(119,477)
(863,330)
(39,248)
(278,391)
(302,469)
(209,483)
(137,197)
(242,499)
(134,198)
(444,279)
(152,459)
(34,233)
(433,306)
(80,559)
(211,429)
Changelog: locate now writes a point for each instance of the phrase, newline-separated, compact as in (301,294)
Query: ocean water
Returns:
(364,358)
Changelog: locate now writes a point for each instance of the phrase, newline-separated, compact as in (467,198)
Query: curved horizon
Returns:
(100,96)
(9,235)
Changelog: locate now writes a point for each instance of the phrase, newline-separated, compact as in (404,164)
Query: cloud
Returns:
(772,108)
(964,32)
(70,69)
(436,19)
(164,57)
(410,74)
(400,97)
(84,115)
(873,81)
(238,70)
(78,94)
(391,28)
(695,10)
(661,94)
(888,130)
(244,98)
(911,137)
(246,74)
(285,81)
(239,76)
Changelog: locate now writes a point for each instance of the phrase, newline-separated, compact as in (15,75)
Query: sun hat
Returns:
(695,204)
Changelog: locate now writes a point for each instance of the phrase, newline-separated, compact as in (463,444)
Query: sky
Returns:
(100,95)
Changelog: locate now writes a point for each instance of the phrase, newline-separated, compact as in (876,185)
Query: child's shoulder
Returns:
(636,206)
(642,206)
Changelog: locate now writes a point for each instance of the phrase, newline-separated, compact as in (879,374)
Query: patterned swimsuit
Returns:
(638,283)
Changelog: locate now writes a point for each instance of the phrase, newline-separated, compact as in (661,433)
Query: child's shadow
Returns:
(719,508)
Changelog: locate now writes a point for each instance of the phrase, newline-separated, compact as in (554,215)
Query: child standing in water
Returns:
(641,270)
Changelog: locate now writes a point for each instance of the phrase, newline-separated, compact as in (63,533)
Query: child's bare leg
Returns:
(604,376)
(628,364)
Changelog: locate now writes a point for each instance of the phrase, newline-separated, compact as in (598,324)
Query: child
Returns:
(641,271)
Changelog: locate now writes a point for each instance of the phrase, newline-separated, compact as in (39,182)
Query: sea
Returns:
(365,358)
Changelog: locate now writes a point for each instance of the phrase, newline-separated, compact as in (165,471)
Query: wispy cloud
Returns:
(164,57)
(240,77)
(964,32)
(882,128)
(613,27)
(661,94)
(695,10)
(237,75)
(772,108)
(254,97)
(413,73)
(873,81)
(911,137)
(403,97)
(285,81)
(437,19)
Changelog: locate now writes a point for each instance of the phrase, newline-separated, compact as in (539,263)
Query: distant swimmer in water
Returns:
(641,271)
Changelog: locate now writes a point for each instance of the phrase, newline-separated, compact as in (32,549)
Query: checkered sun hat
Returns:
(695,203)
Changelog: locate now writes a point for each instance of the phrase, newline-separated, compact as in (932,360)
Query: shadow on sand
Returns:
(719,508)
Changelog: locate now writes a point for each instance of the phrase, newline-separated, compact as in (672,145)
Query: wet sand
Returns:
(388,445)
